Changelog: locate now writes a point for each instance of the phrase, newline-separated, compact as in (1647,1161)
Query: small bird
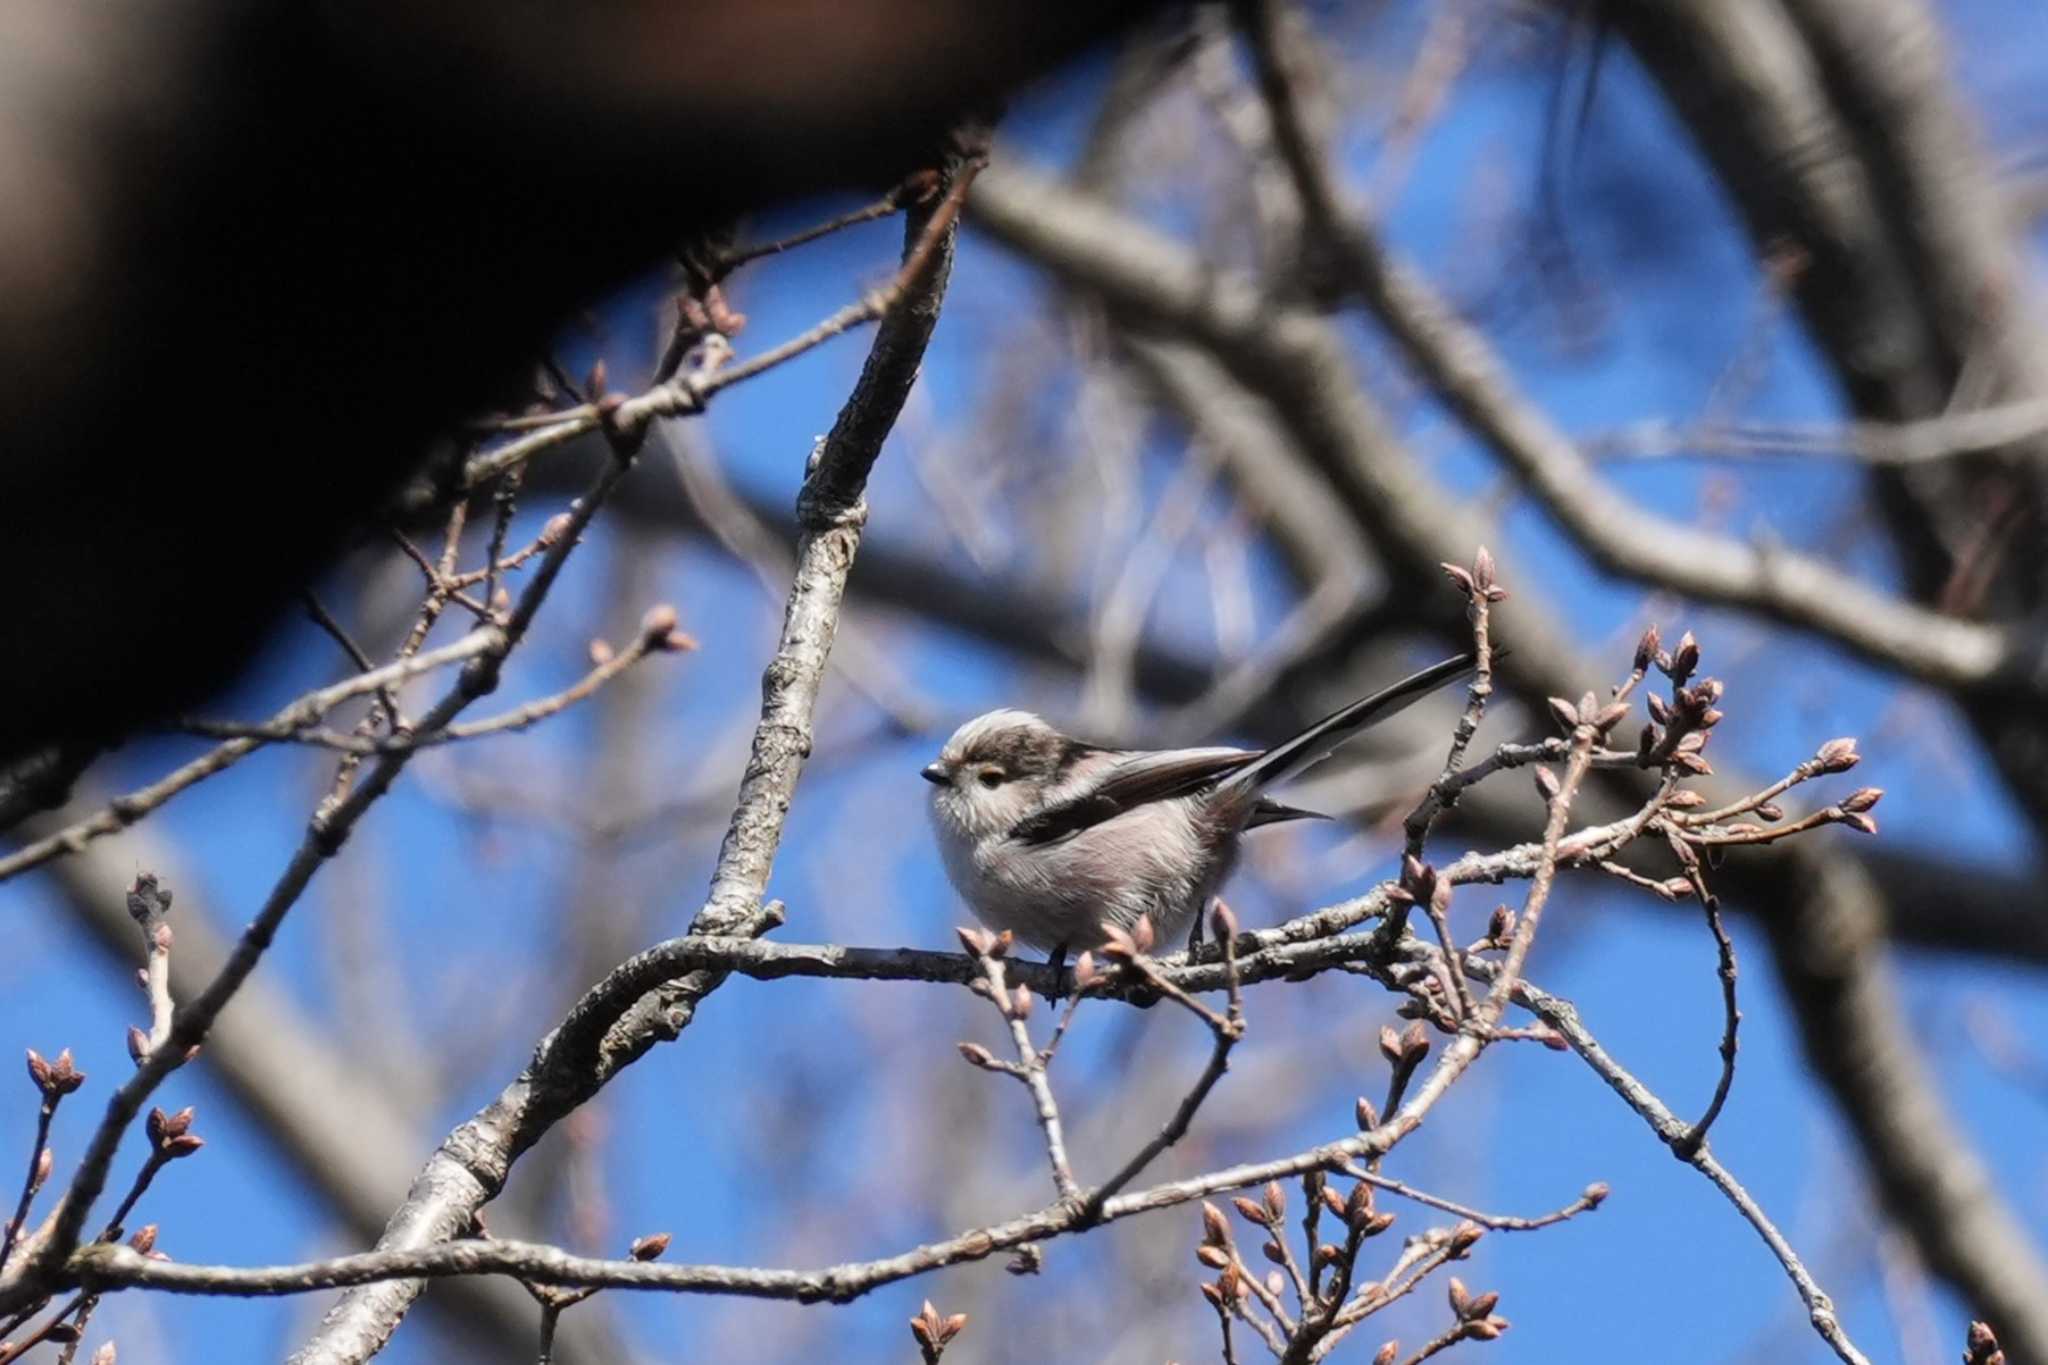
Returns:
(1057,840)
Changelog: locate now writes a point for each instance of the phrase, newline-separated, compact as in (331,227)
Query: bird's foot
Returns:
(1062,979)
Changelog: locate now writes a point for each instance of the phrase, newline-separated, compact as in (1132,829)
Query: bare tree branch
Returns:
(601,1038)
(1677,1134)
(1830,949)
(1457,361)
(657,635)
(123,811)
(325,833)
(281,1070)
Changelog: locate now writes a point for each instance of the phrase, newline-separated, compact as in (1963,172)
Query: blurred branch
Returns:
(1839,127)
(744,535)
(1970,432)
(1617,534)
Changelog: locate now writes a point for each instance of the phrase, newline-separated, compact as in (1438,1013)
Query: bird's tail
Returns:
(1314,744)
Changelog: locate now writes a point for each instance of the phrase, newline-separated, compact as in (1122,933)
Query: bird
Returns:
(1060,841)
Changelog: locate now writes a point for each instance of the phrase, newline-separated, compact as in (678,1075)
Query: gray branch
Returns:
(607,1033)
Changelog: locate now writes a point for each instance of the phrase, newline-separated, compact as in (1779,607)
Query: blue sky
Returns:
(758,1138)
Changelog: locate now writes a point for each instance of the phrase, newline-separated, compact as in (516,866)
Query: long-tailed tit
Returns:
(1056,840)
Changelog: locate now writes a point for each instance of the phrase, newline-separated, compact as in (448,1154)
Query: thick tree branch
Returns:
(597,1041)
(1837,126)
(1456,360)
(103,1268)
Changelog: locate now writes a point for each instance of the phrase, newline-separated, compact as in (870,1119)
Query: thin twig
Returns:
(1227,1030)
(550,1314)
(1030,1065)
(38,1170)
(439,590)
(1437,908)
(1498,1222)
(1584,738)
(1731,1012)
(1424,1255)
(686,395)
(1811,768)
(144,1178)
(1223,1326)
(123,811)
(504,501)
(325,619)
(338,633)
(650,641)
(732,260)
(387,700)
(1283,1323)
(1563,1016)
(1480,589)
(323,838)
(1268,1332)
(149,905)
(11,1351)
(1450,1337)
(1711,837)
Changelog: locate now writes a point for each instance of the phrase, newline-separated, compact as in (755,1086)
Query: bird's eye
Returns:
(990,777)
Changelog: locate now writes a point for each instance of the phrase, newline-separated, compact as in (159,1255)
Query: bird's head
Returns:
(994,771)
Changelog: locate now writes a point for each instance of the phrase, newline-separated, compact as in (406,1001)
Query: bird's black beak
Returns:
(935,774)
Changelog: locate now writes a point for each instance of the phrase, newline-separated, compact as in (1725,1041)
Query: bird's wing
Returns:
(1314,744)
(1169,773)
(1137,780)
